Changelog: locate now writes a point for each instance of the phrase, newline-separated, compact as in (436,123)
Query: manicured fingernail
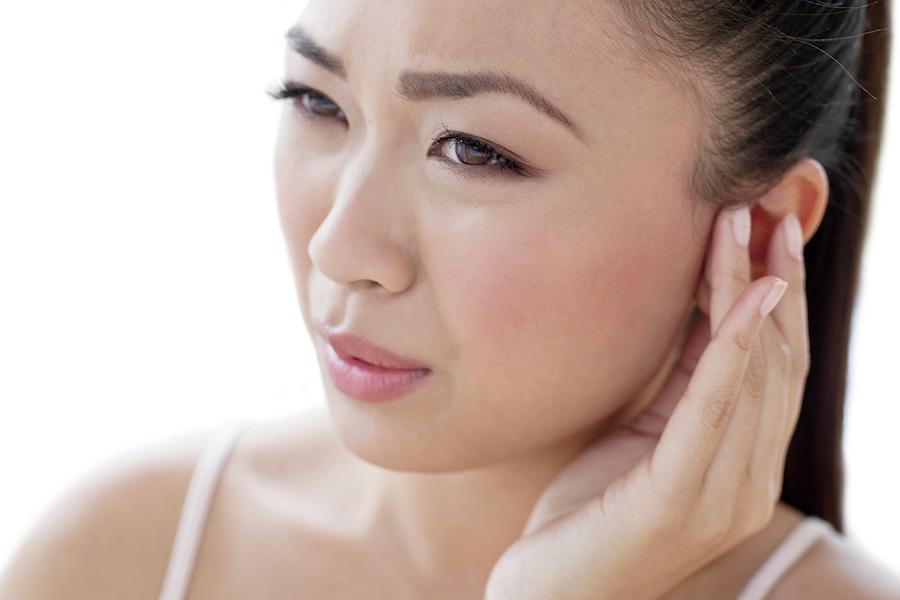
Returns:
(793,236)
(772,297)
(740,225)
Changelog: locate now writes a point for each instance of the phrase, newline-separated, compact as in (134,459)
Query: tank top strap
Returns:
(806,533)
(195,508)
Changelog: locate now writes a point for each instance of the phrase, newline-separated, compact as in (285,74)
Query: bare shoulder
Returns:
(836,568)
(293,496)
(108,535)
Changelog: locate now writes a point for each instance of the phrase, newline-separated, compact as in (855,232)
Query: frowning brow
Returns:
(426,85)
(301,41)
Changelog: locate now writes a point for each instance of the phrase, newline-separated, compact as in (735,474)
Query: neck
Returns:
(460,523)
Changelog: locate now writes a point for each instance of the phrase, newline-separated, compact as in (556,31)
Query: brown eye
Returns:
(309,102)
(463,151)
(319,105)
(470,154)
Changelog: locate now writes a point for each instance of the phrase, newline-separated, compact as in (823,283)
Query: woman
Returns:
(569,226)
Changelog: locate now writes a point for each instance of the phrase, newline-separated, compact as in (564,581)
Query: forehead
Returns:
(562,47)
(577,53)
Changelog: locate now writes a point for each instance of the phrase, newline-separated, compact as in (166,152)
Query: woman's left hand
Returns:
(711,450)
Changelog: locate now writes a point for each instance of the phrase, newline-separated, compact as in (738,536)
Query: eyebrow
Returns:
(426,85)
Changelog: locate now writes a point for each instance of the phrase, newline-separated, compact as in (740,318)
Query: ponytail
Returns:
(814,471)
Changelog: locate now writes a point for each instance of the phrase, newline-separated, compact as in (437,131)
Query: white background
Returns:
(144,285)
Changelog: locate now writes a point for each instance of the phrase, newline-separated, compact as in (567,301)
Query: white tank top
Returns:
(218,447)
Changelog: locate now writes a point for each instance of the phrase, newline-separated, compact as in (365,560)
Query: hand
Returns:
(709,451)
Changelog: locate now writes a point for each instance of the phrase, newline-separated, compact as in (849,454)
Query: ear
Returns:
(802,191)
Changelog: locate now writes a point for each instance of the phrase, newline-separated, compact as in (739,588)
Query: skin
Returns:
(492,282)
(550,310)
(708,451)
(510,399)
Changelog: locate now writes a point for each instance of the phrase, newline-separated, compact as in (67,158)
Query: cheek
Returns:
(302,190)
(302,195)
(522,304)
(564,313)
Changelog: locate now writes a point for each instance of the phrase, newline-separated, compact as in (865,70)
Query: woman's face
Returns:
(543,304)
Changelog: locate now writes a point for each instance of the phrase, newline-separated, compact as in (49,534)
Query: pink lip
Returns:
(369,382)
(350,345)
(368,372)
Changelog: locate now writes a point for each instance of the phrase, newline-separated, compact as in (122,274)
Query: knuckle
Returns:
(744,339)
(730,280)
(739,279)
(716,529)
(678,502)
(667,522)
(719,405)
(662,519)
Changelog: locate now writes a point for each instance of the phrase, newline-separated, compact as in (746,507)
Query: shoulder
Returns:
(835,568)
(108,535)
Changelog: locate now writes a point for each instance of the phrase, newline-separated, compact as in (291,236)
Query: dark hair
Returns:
(792,79)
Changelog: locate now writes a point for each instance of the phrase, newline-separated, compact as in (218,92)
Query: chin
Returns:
(404,438)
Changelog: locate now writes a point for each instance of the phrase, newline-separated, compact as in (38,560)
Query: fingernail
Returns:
(740,225)
(772,297)
(793,236)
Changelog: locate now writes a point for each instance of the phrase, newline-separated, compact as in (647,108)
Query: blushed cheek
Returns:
(524,301)
(497,294)
(583,307)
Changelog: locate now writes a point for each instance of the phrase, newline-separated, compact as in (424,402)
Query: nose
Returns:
(366,236)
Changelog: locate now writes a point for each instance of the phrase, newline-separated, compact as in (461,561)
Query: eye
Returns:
(312,103)
(468,152)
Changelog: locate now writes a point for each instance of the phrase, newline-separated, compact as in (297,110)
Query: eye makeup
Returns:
(490,158)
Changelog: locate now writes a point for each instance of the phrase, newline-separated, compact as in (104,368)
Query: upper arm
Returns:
(109,535)
(838,568)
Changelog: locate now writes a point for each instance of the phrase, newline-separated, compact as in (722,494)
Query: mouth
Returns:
(369,382)
(359,350)
(371,367)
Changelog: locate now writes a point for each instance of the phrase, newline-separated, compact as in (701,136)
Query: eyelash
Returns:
(497,159)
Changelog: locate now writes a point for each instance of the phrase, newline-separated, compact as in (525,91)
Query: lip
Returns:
(349,346)
(366,371)
(367,382)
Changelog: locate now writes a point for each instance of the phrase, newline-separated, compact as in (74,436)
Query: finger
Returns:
(790,316)
(785,260)
(689,442)
(727,275)
(728,472)
(727,270)
(774,426)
